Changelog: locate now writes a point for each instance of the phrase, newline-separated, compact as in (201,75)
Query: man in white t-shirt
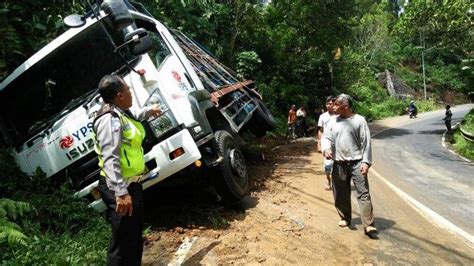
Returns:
(322,124)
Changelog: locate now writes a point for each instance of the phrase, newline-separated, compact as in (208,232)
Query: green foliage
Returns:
(387,108)
(209,22)
(371,36)
(411,78)
(468,122)
(87,246)
(443,23)
(62,231)
(25,26)
(290,47)
(442,30)
(281,123)
(447,77)
(460,144)
(368,90)
(247,63)
(14,209)
(425,106)
(10,232)
(348,70)
(9,174)
(463,147)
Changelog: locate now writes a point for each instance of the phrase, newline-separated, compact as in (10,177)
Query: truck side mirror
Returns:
(118,13)
(138,41)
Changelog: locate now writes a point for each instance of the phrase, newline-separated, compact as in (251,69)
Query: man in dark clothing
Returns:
(448,117)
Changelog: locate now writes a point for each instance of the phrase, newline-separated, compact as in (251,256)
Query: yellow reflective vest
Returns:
(132,161)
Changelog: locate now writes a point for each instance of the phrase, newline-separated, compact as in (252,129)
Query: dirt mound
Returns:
(282,221)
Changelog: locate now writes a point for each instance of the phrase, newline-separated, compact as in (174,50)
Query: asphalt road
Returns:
(409,154)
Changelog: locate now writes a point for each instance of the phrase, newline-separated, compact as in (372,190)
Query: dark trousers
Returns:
(342,173)
(290,132)
(126,245)
(448,125)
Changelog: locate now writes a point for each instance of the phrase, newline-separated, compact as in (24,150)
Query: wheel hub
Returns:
(237,163)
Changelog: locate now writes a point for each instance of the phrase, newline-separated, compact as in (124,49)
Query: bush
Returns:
(87,246)
(10,211)
(412,79)
(369,91)
(247,63)
(460,144)
(387,108)
(64,230)
(425,106)
(468,122)
(447,77)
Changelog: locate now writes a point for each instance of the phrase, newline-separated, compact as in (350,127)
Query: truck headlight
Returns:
(166,121)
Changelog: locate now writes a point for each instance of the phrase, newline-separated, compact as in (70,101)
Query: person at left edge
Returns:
(119,136)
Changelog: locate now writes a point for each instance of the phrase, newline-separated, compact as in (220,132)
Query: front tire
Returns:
(231,180)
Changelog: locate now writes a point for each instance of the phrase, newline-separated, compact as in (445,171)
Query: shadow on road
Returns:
(431,132)
(189,204)
(382,224)
(389,133)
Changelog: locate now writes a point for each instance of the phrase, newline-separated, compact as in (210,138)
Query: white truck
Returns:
(47,104)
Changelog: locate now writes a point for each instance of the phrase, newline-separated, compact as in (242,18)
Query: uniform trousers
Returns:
(342,173)
(126,245)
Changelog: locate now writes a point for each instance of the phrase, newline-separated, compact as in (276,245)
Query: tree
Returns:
(444,24)
(27,25)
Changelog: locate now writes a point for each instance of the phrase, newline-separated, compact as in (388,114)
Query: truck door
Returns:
(176,81)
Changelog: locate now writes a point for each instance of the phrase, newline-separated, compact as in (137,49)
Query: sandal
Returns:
(343,223)
(371,232)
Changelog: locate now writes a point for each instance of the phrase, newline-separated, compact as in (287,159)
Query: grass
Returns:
(468,122)
(87,246)
(61,231)
(460,144)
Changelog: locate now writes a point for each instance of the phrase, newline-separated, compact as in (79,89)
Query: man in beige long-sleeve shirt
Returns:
(346,140)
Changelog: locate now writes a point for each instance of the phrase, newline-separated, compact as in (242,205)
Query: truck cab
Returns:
(48,103)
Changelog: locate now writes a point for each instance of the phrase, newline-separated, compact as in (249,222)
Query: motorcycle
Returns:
(412,113)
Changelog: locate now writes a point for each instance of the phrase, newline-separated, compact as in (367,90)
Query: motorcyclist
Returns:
(412,109)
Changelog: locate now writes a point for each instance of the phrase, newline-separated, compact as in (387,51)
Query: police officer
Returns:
(119,137)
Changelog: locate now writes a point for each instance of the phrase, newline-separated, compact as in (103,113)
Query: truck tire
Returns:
(262,120)
(231,180)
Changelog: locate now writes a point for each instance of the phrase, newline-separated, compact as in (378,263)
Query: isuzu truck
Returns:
(48,103)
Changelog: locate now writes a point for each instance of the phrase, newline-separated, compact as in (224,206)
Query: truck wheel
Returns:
(232,181)
(262,120)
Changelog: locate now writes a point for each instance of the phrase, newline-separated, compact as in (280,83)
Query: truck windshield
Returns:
(42,93)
